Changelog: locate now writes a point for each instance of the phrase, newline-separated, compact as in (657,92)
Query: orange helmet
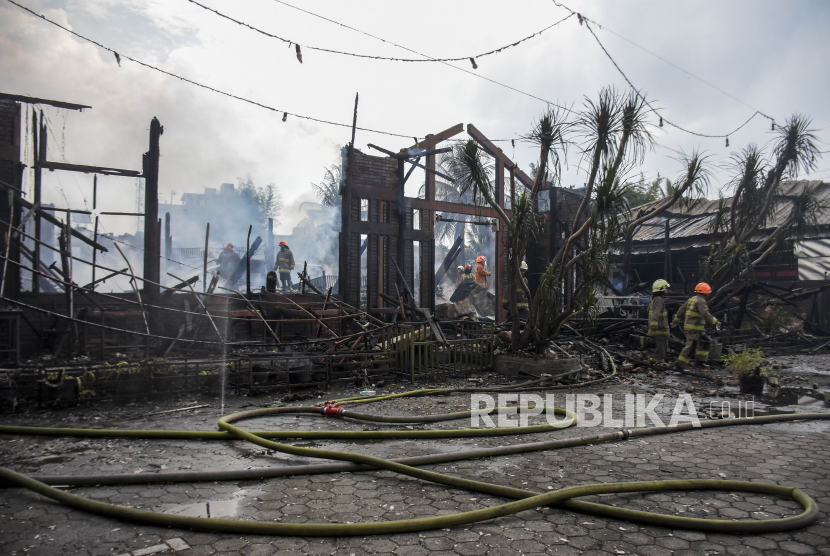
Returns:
(481,259)
(468,268)
(283,242)
(229,246)
(703,288)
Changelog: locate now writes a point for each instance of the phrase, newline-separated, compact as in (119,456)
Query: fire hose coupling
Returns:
(332,409)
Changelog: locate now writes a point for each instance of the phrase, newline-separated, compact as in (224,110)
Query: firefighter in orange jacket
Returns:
(481,272)
(695,315)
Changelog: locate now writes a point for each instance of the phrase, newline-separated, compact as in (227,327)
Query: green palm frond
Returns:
(796,146)
(599,124)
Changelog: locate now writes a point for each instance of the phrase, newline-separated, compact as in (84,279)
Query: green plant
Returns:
(745,363)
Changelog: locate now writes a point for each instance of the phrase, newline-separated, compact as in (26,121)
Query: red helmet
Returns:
(229,246)
(481,259)
(703,288)
(468,268)
(283,242)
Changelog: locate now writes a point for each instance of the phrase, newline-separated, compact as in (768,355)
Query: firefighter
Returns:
(460,274)
(228,261)
(285,264)
(481,272)
(695,315)
(658,320)
(521,298)
(466,274)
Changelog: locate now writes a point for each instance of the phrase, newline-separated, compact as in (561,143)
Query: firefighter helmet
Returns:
(283,243)
(229,246)
(660,285)
(703,288)
(461,267)
(481,259)
(523,266)
(468,268)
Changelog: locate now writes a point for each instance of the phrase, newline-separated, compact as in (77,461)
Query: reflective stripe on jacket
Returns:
(521,299)
(466,277)
(658,318)
(694,314)
(285,261)
(481,275)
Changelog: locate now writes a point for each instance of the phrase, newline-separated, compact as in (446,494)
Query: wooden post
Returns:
(344,281)
(499,266)
(667,273)
(150,167)
(248,260)
(204,270)
(402,210)
(168,241)
(95,232)
(269,247)
(8,238)
(39,152)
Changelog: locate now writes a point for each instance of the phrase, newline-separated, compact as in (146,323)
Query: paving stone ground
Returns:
(794,454)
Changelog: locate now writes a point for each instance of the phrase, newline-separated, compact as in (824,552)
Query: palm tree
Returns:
(328,190)
(758,180)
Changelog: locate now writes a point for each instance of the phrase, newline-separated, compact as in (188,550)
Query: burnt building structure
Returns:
(396,226)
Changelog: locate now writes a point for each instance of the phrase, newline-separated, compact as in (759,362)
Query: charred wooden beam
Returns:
(35,100)
(181,285)
(105,278)
(452,254)
(85,169)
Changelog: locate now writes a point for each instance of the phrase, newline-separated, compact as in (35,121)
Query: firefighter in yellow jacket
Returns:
(521,298)
(658,320)
(695,315)
(285,264)
(466,274)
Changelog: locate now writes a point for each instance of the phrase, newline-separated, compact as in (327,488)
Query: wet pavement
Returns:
(794,454)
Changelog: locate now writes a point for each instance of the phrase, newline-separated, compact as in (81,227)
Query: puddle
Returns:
(780,397)
(209,508)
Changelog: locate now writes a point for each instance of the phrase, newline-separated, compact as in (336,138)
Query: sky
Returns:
(721,61)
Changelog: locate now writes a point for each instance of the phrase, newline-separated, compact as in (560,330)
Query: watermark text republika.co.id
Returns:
(592,410)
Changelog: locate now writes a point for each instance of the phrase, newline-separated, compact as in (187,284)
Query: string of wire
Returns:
(371,56)
(643,98)
(587,22)
(431,58)
(203,86)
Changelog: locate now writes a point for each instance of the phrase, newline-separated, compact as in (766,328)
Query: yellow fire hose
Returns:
(523,499)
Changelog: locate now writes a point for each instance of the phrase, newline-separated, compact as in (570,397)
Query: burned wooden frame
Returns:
(389,224)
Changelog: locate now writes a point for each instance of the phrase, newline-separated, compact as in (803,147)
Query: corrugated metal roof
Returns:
(694,220)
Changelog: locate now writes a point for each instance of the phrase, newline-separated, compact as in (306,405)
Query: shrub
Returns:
(745,363)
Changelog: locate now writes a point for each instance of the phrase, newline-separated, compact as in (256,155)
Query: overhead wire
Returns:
(372,56)
(672,64)
(285,113)
(430,58)
(586,21)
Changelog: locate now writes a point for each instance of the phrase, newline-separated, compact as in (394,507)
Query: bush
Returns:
(746,363)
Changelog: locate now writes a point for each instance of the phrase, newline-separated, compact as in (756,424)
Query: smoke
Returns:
(314,238)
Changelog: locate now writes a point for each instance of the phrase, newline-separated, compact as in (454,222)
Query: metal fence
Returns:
(323,283)
(418,356)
